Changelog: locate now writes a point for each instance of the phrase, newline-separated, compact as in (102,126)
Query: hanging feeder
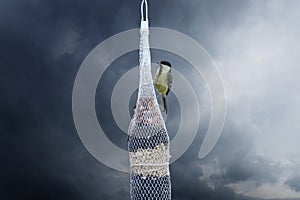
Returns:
(148,140)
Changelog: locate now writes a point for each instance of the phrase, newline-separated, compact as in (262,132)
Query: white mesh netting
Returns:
(148,142)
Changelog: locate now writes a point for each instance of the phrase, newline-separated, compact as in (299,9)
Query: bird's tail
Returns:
(165,103)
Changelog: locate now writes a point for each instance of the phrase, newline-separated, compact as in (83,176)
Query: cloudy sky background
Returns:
(255,45)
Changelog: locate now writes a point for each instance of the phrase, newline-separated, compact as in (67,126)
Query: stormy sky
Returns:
(255,45)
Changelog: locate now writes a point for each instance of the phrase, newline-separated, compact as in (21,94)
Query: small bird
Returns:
(163,81)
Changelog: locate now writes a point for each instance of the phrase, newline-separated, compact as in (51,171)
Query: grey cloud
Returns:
(294,183)
(237,160)
(256,64)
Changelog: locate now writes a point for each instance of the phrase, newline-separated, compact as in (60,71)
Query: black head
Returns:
(165,63)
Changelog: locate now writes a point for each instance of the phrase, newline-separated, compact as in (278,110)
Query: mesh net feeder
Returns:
(148,140)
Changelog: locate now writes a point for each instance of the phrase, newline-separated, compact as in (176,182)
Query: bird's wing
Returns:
(170,80)
(156,75)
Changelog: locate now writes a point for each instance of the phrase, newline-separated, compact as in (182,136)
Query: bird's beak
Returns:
(157,62)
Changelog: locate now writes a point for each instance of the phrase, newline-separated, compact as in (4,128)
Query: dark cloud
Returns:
(239,162)
(294,183)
